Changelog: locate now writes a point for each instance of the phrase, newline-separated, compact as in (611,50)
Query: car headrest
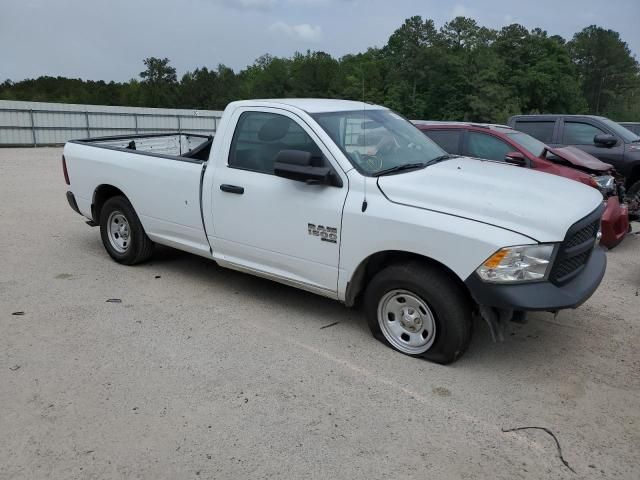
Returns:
(274,129)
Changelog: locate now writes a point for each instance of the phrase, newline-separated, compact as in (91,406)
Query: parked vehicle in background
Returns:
(286,190)
(633,126)
(504,144)
(603,138)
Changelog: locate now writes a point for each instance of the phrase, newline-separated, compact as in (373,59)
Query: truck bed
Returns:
(160,174)
(186,146)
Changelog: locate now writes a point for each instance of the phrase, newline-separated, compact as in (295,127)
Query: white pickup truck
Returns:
(350,201)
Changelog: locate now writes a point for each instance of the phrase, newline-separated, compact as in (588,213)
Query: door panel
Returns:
(275,225)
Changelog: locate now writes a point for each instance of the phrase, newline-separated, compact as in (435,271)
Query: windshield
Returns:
(627,135)
(532,145)
(377,140)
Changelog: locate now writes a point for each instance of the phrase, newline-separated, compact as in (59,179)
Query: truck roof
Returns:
(312,105)
(553,116)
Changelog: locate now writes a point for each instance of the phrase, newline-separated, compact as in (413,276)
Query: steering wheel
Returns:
(371,163)
(386,145)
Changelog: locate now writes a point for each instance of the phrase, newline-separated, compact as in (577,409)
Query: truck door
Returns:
(282,228)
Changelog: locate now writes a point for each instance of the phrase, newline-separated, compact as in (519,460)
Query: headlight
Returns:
(524,263)
(606,183)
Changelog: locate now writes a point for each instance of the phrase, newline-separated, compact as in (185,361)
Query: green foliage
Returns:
(462,71)
(160,82)
(609,74)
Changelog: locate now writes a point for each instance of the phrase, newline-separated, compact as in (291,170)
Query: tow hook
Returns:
(497,319)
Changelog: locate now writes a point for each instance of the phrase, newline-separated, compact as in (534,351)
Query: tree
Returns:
(158,71)
(312,74)
(268,77)
(362,77)
(465,79)
(159,81)
(538,71)
(408,54)
(463,71)
(607,70)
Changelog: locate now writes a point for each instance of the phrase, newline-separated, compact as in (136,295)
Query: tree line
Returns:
(461,71)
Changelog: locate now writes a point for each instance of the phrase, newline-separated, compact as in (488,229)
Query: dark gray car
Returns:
(599,136)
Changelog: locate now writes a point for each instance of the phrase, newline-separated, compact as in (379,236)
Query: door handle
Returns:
(232,189)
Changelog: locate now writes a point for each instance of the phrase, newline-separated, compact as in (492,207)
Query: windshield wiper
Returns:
(441,158)
(399,168)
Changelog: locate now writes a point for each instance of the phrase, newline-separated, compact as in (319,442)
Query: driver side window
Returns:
(260,136)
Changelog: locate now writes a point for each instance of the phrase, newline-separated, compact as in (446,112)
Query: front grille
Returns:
(570,265)
(575,250)
(584,234)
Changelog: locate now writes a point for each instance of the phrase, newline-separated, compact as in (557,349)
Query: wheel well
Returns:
(634,176)
(376,262)
(100,196)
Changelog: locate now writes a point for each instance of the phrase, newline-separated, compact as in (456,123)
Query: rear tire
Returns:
(419,310)
(122,233)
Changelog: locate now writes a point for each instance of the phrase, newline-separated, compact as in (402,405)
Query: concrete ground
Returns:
(202,372)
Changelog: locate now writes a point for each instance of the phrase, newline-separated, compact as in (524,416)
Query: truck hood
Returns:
(535,204)
(580,158)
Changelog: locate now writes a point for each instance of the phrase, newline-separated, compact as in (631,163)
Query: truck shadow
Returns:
(534,342)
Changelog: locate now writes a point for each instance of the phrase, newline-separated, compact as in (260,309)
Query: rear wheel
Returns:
(122,233)
(419,310)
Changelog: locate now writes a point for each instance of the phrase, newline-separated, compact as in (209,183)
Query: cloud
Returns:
(266,5)
(460,11)
(250,4)
(303,31)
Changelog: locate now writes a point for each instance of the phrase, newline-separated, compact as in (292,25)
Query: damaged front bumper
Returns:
(500,303)
(541,296)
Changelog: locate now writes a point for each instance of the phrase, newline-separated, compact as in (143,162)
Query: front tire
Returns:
(419,310)
(122,233)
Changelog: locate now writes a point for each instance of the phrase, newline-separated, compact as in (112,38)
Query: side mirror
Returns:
(605,140)
(299,165)
(516,158)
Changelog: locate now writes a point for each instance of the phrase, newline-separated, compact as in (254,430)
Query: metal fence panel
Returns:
(39,123)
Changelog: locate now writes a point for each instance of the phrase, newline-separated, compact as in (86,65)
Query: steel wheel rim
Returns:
(118,231)
(406,321)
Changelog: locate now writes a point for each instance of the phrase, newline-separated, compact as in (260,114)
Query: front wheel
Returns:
(122,233)
(419,310)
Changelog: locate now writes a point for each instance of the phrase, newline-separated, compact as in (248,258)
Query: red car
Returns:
(504,144)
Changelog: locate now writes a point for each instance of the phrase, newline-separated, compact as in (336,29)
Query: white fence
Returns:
(39,124)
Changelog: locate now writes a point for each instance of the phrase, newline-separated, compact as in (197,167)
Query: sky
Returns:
(108,39)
